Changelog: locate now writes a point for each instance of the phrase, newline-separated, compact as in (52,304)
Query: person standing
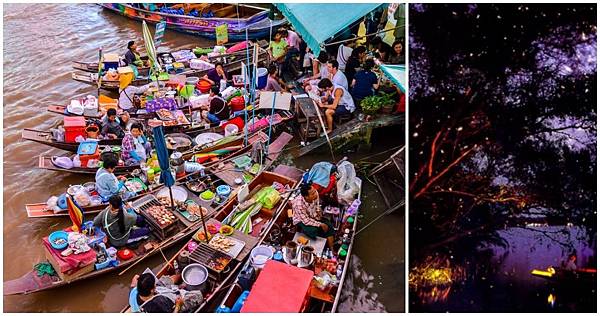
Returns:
(344,52)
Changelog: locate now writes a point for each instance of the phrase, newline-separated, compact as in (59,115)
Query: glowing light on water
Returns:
(551,299)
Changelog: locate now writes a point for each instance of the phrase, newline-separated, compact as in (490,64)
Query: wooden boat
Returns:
(238,18)
(218,278)
(40,210)
(318,300)
(233,65)
(161,238)
(93,66)
(31,283)
(45,137)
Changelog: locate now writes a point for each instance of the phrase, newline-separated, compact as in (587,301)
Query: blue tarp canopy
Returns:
(318,22)
(397,74)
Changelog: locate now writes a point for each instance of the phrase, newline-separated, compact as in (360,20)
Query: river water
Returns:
(38,46)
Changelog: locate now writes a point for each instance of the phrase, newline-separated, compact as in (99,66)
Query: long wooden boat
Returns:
(31,282)
(40,210)
(45,137)
(318,300)
(238,18)
(93,65)
(261,223)
(232,66)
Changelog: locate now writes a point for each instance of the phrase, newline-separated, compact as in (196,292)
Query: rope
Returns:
(366,35)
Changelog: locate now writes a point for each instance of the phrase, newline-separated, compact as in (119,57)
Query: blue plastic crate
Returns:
(87,148)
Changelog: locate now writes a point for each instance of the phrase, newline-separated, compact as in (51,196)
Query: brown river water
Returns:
(39,43)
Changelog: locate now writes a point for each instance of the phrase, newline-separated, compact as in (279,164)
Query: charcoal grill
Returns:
(142,205)
(204,255)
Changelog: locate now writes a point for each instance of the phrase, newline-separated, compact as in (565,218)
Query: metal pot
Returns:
(306,254)
(291,249)
(194,276)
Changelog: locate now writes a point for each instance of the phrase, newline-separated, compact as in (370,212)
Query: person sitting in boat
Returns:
(163,296)
(133,58)
(218,110)
(274,83)
(111,125)
(120,226)
(307,214)
(278,49)
(107,184)
(135,147)
(125,121)
(323,176)
(215,75)
(342,102)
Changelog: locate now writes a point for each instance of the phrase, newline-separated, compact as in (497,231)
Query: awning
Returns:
(318,22)
(397,74)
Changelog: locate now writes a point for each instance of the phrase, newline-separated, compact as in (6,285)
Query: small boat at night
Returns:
(202,19)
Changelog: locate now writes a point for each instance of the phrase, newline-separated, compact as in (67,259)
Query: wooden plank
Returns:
(289,171)
(351,127)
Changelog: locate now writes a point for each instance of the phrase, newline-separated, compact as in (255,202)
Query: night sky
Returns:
(502,120)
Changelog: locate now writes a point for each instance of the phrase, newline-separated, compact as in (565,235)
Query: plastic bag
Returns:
(268,196)
(62,162)
(52,203)
(76,162)
(348,184)
(82,198)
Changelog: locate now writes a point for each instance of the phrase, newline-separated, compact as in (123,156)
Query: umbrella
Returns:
(150,49)
(100,62)
(75,214)
(165,169)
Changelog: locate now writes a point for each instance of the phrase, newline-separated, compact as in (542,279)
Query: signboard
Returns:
(158,35)
(282,100)
(221,34)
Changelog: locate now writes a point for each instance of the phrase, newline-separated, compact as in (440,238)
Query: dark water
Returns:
(37,49)
(500,280)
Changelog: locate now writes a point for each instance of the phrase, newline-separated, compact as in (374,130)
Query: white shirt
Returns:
(340,79)
(343,54)
(346,99)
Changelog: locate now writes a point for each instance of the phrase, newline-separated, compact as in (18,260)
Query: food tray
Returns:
(234,251)
(165,115)
(213,259)
(139,181)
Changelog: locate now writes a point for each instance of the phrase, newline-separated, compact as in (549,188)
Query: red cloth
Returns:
(324,191)
(72,263)
(279,288)
(401,105)
(237,121)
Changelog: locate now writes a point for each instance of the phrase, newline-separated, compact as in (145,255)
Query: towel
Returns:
(320,172)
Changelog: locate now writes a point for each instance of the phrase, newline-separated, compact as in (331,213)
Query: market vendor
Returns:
(133,58)
(135,147)
(149,296)
(121,227)
(307,214)
(107,184)
(274,83)
(217,110)
(111,125)
(215,75)
(342,101)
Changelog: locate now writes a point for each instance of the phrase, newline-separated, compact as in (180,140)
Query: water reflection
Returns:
(499,279)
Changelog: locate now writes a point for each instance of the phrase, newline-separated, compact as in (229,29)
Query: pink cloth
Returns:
(279,288)
(72,263)
(293,39)
(237,47)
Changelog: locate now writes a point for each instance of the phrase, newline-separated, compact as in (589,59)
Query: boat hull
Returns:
(258,25)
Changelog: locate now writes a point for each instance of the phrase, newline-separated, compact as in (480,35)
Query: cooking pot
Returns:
(194,276)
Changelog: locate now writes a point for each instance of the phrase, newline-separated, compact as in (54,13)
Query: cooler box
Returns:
(88,151)
(74,126)
(279,288)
